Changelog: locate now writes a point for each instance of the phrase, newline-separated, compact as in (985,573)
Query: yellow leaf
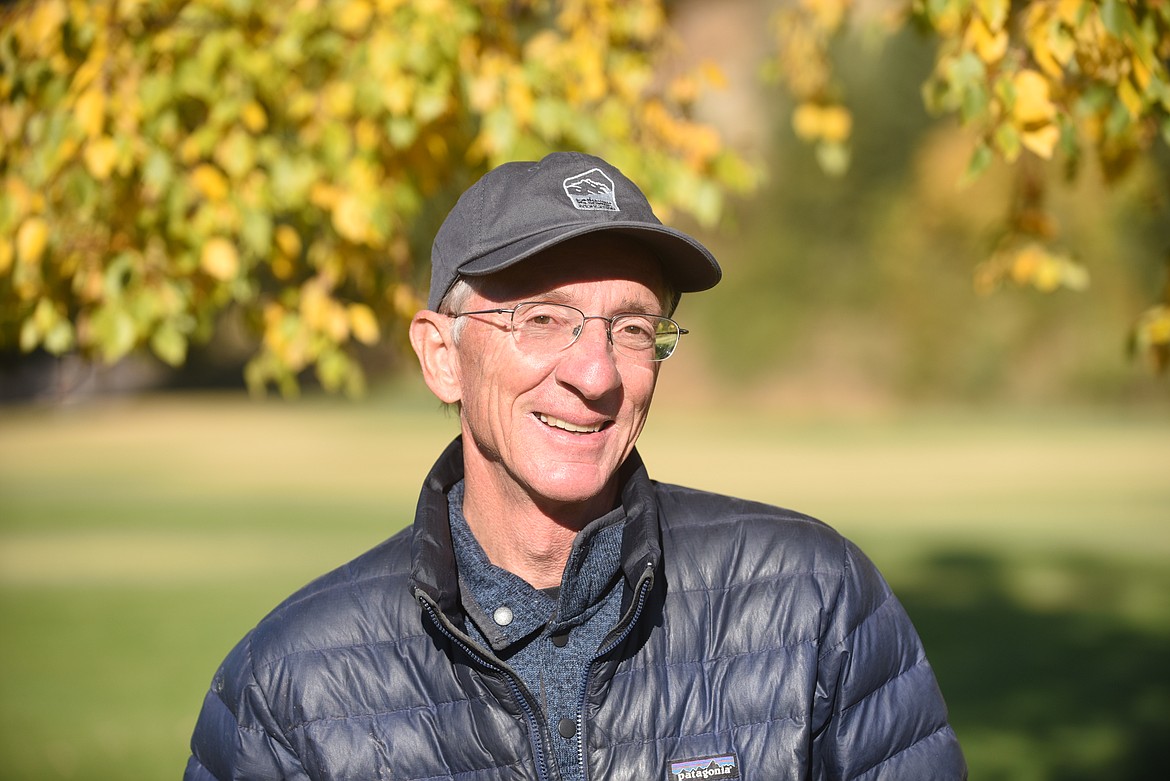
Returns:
(66,149)
(1041,141)
(1141,74)
(1033,102)
(254,117)
(100,155)
(282,267)
(827,13)
(994,12)
(364,324)
(353,16)
(351,218)
(1129,98)
(1064,47)
(324,195)
(990,46)
(31,240)
(220,259)
(43,23)
(6,256)
(830,123)
(1155,325)
(483,93)
(1069,11)
(210,182)
(398,95)
(1043,55)
(338,98)
(90,112)
(714,74)
(289,241)
(191,149)
(1046,270)
(948,20)
(366,134)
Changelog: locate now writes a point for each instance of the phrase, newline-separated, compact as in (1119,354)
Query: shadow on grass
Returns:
(1055,669)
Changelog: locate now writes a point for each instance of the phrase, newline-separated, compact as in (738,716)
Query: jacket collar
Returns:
(433,568)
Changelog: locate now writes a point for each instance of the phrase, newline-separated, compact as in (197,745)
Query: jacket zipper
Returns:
(529,714)
(643,590)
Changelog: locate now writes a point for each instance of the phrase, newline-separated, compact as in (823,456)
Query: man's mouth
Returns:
(549,420)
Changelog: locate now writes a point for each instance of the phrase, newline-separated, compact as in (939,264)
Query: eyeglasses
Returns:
(540,327)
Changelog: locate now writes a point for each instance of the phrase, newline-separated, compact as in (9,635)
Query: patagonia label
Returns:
(715,767)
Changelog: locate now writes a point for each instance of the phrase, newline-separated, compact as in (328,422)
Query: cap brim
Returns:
(686,263)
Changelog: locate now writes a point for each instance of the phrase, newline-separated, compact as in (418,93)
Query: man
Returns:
(553,613)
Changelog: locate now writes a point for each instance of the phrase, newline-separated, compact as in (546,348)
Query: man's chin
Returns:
(575,493)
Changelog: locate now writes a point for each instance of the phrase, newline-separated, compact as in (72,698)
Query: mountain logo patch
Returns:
(718,768)
(592,191)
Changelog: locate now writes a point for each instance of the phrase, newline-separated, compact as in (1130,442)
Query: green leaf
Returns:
(975,102)
(169,344)
(60,338)
(1118,19)
(833,157)
(402,131)
(1007,141)
(256,232)
(980,161)
(115,332)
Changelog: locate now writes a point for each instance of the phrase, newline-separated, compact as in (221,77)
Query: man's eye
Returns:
(637,329)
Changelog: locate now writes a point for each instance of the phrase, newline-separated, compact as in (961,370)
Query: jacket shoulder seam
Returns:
(917,663)
(899,752)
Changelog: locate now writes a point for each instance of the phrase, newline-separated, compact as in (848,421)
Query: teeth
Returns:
(558,423)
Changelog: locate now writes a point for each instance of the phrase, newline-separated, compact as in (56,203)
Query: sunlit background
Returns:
(1000,455)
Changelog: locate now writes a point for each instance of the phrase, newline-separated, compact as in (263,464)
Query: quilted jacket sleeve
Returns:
(880,714)
(236,738)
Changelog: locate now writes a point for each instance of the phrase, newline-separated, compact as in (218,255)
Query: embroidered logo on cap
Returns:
(718,767)
(592,191)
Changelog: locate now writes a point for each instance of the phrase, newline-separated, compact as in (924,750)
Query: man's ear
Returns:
(430,335)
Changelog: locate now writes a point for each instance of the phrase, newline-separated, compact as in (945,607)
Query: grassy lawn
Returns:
(139,539)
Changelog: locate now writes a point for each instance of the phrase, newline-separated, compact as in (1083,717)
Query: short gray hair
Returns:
(456,301)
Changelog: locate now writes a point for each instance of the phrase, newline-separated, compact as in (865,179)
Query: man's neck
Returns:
(534,549)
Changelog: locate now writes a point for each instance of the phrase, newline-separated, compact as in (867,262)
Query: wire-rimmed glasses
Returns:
(542,327)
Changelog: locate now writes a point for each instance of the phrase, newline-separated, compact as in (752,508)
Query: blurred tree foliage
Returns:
(165,161)
(1035,80)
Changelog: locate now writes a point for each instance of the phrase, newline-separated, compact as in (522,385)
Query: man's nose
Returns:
(589,364)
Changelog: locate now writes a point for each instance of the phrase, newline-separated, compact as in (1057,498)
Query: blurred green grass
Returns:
(140,538)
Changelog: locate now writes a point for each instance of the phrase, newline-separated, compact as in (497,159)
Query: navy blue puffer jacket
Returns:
(755,643)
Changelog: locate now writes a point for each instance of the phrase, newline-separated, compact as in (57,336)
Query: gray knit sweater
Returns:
(548,638)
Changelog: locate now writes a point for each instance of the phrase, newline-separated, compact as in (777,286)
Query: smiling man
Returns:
(553,613)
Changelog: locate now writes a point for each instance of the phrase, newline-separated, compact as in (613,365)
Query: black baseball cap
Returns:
(521,208)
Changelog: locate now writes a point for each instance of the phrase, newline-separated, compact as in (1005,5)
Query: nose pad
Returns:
(605,323)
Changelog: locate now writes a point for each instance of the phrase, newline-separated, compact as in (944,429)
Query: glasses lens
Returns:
(645,336)
(540,326)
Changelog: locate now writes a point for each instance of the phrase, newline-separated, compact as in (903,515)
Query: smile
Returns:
(549,420)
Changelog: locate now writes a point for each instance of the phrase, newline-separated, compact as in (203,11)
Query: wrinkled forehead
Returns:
(606,260)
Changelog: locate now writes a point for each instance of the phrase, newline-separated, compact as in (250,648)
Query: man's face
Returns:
(553,428)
